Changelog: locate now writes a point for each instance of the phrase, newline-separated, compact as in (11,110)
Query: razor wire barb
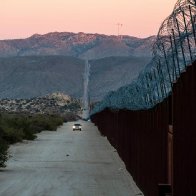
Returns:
(173,50)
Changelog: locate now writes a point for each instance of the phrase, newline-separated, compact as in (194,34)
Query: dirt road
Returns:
(66,163)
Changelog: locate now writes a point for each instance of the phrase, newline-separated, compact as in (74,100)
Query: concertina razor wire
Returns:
(173,51)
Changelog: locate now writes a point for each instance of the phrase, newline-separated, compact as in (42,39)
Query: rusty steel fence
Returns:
(158,145)
(184,134)
(140,138)
(152,121)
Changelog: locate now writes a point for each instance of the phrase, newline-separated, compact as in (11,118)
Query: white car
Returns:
(77,127)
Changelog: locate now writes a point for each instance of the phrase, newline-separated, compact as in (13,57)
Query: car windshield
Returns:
(77,124)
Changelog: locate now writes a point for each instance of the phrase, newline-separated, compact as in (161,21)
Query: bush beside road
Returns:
(17,127)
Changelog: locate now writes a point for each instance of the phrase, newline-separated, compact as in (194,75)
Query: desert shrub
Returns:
(13,135)
(16,127)
(19,127)
(47,122)
(3,149)
(70,116)
(3,153)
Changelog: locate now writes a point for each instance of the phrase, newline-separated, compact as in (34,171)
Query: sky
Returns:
(140,18)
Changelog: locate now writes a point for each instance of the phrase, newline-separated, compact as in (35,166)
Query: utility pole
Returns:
(119,26)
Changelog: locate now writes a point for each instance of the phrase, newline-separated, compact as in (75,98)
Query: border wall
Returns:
(158,145)
(184,134)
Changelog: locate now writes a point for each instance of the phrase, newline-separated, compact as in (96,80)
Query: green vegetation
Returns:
(70,116)
(16,127)
(3,152)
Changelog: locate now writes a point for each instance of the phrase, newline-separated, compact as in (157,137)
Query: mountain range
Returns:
(54,62)
(80,45)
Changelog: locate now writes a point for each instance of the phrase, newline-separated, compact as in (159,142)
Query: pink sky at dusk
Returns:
(140,18)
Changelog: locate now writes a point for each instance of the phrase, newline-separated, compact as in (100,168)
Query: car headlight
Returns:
(80,127)
(74,127)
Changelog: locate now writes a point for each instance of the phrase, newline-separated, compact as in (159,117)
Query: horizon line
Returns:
(42,34)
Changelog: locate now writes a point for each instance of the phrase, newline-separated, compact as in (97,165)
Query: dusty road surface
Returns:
(66,163)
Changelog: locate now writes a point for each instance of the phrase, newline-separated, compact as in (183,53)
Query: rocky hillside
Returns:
(33,76)
(109,74)
(55,103)
(81,45)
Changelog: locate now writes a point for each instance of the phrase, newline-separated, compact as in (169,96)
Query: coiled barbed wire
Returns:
(173,51)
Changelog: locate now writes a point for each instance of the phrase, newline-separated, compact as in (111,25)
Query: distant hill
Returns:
(32,76)
(111,73)
(43,64)
(55,103)
(81,45)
